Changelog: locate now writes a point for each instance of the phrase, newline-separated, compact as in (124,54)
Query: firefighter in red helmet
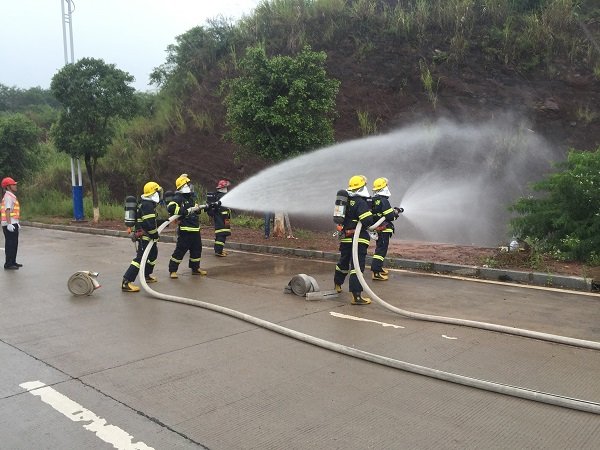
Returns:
(10,211)
(222,218)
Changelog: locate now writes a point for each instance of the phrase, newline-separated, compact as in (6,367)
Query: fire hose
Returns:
(463,322)
(525,393)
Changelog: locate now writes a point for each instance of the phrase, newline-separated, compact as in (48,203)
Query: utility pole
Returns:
(77,188)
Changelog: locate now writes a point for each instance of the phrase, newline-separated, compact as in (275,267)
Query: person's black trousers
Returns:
(11,245)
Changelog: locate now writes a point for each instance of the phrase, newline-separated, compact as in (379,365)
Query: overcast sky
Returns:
(132,34)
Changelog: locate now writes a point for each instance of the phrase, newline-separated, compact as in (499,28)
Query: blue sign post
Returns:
(77,188)
(78,202)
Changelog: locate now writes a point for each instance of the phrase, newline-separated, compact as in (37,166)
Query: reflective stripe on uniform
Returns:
(337,268)
(365,214)
(192,229)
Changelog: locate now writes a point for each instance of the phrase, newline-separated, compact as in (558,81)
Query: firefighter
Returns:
(357,210)
(10,211)
(147,228)
(222,218)
(381,208)
(188,229)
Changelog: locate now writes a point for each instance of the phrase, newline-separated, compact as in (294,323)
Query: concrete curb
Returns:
(502,275)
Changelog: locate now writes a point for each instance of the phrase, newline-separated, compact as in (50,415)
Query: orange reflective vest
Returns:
(15,211)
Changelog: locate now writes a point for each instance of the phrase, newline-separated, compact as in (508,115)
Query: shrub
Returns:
(566,218)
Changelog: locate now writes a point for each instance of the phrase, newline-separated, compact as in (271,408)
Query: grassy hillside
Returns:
(398,62)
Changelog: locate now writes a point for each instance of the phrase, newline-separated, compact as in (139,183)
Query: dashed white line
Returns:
(448,337)
(360,319)
(111,434)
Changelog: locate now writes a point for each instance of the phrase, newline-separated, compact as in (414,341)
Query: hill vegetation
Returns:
(397,62)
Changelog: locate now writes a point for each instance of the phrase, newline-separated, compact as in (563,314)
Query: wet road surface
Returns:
(86,372)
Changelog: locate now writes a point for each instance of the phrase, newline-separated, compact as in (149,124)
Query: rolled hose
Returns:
(529,394)
(302,284)
(82,283)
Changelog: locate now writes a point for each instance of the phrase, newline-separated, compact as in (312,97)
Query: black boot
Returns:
(358,299)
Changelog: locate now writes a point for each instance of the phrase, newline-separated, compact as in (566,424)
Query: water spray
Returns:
(461,175)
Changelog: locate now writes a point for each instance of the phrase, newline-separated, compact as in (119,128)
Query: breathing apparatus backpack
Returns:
(341,202)
(131,216)
(339,212)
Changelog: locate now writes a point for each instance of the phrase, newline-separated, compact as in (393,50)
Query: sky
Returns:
(131,34)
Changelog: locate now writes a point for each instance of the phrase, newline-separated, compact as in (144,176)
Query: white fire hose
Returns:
(529,394)
(463,322)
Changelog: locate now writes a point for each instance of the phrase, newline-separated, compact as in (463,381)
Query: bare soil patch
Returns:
(421,251)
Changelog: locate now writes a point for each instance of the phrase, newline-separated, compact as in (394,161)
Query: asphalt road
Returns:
(122,370)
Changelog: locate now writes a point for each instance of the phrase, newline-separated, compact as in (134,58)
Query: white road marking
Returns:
(448,337)
(111,434)
(344,316)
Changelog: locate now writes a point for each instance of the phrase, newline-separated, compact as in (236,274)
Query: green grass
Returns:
(366,124)
(54,204)
(246,221)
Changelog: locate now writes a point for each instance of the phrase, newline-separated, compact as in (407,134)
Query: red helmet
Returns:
(8,181)
(223,184)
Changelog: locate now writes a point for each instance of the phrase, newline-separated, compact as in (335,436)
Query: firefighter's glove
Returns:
(398,211)
(10,227)
(193,209)
(374,235)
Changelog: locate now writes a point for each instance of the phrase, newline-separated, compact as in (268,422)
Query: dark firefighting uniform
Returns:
(357,209)
(381,208)
(222,218)
(146,224)
(188,232)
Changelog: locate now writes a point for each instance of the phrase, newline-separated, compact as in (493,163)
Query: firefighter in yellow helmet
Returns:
(381,208)
(147,228)
(188,230)
(358,209)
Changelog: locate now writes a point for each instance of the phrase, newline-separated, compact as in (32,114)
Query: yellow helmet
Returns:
(356,182)
(380,183)
(151,187)
(181,181)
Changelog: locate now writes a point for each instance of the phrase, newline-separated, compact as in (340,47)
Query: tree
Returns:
(19,139)
(94,94)
(566,219)
(197,50)
(282,106)
(13,99)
